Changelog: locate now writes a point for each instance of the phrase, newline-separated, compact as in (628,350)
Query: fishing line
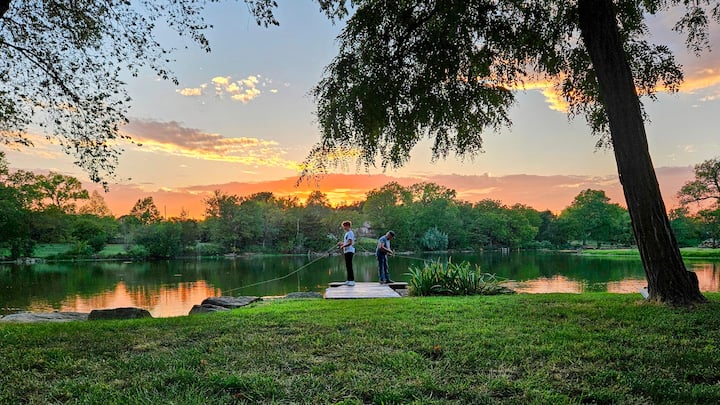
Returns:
(281,277)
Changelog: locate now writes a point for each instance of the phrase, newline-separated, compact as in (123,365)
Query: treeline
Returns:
(54,208)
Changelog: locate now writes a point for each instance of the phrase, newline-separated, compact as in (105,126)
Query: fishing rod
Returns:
(395,255)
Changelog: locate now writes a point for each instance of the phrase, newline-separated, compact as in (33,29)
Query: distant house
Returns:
(366,230)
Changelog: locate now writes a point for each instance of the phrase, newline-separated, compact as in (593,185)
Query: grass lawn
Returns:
(556,348)
(43,250)
(688,253)
(112,250)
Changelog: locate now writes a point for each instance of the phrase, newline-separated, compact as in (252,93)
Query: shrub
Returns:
(437,278)
(138,252)
(434,239)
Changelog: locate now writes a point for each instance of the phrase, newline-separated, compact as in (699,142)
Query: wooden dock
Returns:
(360,290)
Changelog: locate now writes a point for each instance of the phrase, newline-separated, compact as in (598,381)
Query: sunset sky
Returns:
(242,120)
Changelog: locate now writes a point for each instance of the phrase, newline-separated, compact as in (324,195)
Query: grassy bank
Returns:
(508,349)
(688,253)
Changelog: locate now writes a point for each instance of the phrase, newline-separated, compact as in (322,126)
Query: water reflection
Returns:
(171,288)
(557,284)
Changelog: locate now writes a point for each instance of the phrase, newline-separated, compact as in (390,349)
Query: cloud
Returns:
(540,192)
(553,97)
(243,90)
(174,139)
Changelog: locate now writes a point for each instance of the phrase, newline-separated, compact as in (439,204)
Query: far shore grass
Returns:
(687,253)
(545,349)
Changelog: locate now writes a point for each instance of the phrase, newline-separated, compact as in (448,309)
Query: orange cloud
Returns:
(553,193)
(174,139)
(700,79)
(553,97)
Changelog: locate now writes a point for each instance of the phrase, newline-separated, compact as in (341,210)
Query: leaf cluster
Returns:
(63,64)
(438,278)
(449,71)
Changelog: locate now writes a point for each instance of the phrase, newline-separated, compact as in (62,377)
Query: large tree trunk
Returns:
(668,280)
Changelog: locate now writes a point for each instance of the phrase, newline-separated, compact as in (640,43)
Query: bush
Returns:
(138,252)
(437,278)
(434,239)
(203,249)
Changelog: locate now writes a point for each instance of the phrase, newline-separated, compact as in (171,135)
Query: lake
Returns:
(171,288)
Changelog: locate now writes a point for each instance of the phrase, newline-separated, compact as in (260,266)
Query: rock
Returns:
(45,317)
(118,313)
(206,308)
(230,302)
(304,294)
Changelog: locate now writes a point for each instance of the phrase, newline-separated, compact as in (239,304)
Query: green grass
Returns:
(558,348)
(112,250)
(688,253)
(44,250)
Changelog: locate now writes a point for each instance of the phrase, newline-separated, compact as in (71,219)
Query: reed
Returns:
(448,278)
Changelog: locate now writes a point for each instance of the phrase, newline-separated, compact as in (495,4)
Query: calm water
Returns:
(171,288)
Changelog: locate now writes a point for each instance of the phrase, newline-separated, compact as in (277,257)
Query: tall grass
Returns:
(438,278)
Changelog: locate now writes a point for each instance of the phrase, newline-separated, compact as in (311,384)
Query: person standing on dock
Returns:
(382,252)
(348,249)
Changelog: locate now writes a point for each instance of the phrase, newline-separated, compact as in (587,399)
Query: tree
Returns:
(705,189)
(145,211)
(550,231)
(90,231)
(62,65)
(96,205)
(54,190)
(685,227)
(161,239)
(592,216)
(705,186)
(710,220)
(448,69)
(60,192)
(14,222)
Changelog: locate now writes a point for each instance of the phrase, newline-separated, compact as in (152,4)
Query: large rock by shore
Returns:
(229,302)
(217,304)
(206,309)
(29,317)
(118,313)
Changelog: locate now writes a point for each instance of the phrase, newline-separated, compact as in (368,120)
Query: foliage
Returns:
(62,65)
(423,215)
(434,239)
(710,220)
(686,228)
(145,211)
(591,216)
(14,222)
(48,192)
(95,205)
(161,240)
(705,186)
(448,278)
(406,70)
(138,252)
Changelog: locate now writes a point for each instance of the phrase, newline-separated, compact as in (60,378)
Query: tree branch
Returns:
(4,7)
(45,67)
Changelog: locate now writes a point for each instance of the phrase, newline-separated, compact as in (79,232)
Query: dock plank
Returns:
(360,290)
